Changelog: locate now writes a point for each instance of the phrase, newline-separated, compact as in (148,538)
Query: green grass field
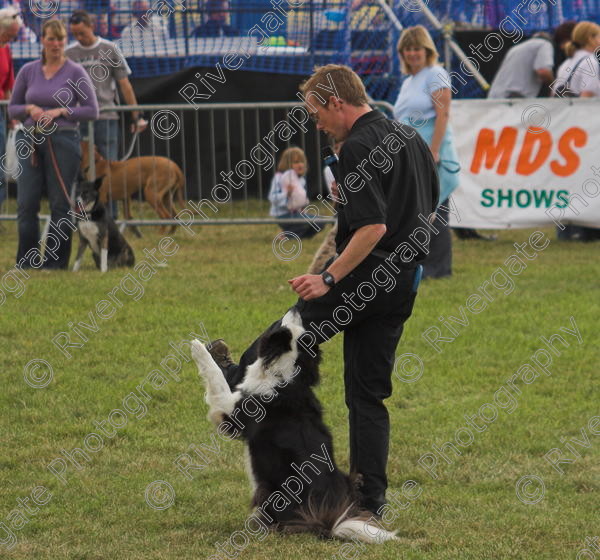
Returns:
(226,282)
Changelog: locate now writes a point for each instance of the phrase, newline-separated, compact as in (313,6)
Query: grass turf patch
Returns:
(226,282)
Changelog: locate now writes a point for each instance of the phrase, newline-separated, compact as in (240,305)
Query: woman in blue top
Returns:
(424,103)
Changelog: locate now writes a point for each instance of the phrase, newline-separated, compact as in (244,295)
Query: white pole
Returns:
(454,46)
(390,13)
(438,25)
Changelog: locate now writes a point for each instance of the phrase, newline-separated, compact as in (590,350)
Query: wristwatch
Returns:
(328,279)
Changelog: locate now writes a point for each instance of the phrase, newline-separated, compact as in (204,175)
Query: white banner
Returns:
(527,162)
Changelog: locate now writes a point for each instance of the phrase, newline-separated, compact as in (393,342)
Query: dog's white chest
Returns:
(90,231)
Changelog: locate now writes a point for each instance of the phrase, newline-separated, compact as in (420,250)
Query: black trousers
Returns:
(370,305)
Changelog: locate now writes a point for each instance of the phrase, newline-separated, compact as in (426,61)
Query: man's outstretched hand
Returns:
(309,286)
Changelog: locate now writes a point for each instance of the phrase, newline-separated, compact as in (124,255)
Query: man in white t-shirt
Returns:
(525,68)
(109,72)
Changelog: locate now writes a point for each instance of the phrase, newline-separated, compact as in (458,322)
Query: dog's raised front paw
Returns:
(199,351)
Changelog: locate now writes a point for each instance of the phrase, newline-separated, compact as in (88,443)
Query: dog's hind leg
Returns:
(171,207)
(219,397)
(179,190)
(154,197)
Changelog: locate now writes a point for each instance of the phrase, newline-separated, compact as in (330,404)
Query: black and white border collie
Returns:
(297,486)
(99,231)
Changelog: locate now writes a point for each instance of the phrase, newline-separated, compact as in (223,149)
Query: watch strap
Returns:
(328,278)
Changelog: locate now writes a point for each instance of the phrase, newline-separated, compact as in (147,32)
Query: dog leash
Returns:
(58,174)
(76,207)
(61,182)
(131,146)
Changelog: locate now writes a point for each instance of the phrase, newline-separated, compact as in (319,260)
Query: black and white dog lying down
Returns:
(99,231)
(297,486)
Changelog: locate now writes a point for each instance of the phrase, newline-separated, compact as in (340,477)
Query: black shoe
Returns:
(372,504)
(469,233)
(373,508)
(465,233)
(220,353)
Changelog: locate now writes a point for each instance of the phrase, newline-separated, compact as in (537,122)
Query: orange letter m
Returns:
(494,152)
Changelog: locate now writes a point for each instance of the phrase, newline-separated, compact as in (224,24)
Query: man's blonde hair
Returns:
(289,157)
(416,37)
(337,80)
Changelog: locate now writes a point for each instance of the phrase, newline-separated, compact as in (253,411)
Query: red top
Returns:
(7,72)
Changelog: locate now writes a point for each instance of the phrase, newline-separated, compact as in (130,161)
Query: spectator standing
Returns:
(581,69)
(10,23)
(525,69)
(425,94)
(216,24)
(108,71)
(56,153)
(579,76)
(562,38)
(25,34)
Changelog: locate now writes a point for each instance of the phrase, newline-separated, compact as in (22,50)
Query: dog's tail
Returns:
(344,521)
(362,528)
(179,188)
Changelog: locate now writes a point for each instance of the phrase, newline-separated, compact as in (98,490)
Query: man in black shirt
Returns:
(388,191)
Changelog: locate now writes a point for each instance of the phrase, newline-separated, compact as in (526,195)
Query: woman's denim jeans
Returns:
(38,176)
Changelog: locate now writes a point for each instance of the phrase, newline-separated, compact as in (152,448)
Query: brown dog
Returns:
(160,179)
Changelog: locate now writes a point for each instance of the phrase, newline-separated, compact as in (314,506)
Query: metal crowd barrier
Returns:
(209,140)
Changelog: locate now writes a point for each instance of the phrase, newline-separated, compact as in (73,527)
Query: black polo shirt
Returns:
(387,175)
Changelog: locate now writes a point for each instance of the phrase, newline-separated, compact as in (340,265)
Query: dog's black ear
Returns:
(274,344)
(309,365)
(98,182)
